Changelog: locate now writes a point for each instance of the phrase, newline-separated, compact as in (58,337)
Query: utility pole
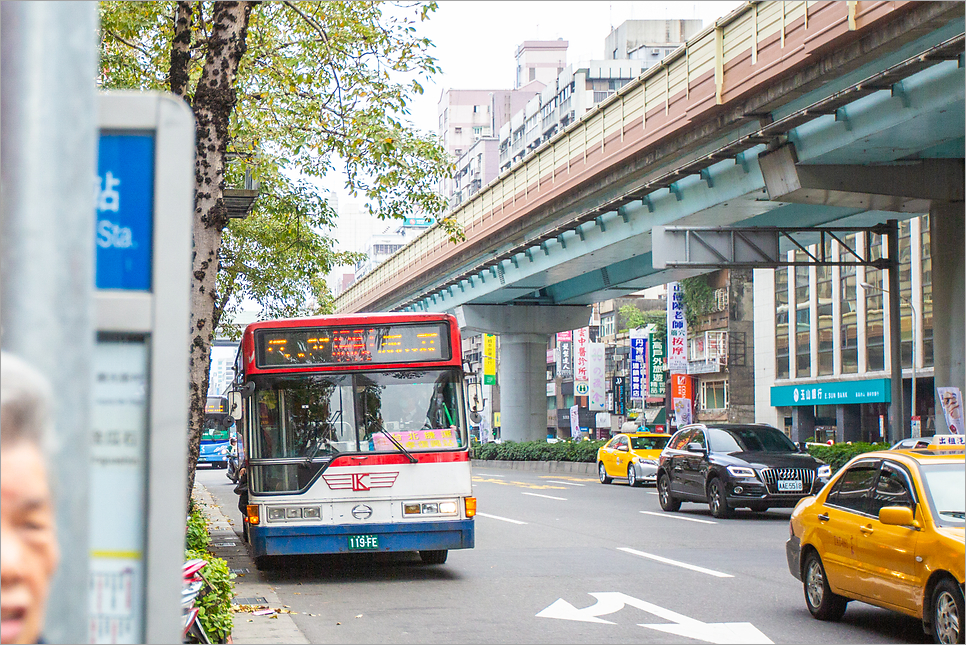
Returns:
(48,136)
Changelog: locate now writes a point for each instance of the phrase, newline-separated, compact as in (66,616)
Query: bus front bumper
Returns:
(410,536)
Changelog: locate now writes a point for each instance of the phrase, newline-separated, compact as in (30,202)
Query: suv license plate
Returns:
(363,542)
(790,485)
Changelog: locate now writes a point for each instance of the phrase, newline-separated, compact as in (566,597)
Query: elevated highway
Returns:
(842,88)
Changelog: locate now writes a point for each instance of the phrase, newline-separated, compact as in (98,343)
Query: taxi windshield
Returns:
(649,443)
(944,487)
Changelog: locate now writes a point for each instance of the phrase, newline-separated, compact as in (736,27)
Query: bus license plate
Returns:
(363,542)
(790,485)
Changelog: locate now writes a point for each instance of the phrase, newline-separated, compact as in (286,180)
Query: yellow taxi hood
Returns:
(956,533)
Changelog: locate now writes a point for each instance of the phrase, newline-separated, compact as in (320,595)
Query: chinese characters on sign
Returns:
(581,362)
(489,359)
(638,363)
(677,330)
(682,394)
(564,357)
(595,354)
(620,395)
(655,380)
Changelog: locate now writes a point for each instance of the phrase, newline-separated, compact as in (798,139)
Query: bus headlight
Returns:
(448,507)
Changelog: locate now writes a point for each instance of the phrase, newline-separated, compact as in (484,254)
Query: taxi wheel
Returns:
(632,479)
(947,613)
(821,602)
(602,473)
(668,503)
(717,500)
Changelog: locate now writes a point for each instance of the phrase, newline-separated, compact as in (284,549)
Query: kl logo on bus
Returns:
(360,481)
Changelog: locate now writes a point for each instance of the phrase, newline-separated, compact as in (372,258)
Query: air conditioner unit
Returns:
(656,52)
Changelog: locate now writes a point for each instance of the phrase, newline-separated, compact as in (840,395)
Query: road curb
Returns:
(227,544)
(574,467)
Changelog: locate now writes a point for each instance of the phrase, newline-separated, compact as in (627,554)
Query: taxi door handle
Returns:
(823,517)
(866,529)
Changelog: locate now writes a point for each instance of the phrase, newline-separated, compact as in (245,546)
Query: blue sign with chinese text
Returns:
(841,392)
(125,211)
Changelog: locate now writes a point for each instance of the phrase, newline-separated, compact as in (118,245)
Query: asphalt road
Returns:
(544,544)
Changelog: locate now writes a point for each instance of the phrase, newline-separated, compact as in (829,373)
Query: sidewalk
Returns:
(250,588)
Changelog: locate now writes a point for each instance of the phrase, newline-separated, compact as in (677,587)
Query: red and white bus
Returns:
(356,436)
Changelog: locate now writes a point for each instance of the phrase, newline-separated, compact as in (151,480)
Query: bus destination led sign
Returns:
(352,345)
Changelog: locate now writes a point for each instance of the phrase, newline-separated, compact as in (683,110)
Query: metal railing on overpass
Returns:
(725,63)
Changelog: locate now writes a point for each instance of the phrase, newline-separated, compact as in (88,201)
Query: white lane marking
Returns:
(683,565)
(650,492)
(554,481)
(502,519)
(677,517)
(562,499)
(490,475)
(681,625)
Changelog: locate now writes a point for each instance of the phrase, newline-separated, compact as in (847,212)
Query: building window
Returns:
(874,314)
(781,322)
(607,325)
(803,327)
(926,304)
(823,291)
(478,130)
(476,109)
(714,395)
(850,326)
(458,130)
(533,73)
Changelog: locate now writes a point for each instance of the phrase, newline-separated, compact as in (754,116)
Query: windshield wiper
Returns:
(957,514)
(378,426)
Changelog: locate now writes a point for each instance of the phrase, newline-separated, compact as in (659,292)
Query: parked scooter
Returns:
(193,587)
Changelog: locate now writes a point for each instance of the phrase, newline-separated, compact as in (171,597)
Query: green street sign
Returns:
(832,393)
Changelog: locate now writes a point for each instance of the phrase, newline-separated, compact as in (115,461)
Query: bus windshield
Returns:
(214,434)
(319,416)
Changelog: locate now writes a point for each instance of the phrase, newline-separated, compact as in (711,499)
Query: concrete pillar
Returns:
(848,422)
(803,423)
(523,330)
(948,238)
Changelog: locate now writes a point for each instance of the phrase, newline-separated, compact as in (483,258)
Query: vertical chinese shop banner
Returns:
(598,383)
(581,362)
(655,374)
(638,339)
(489,359)
(682,395)
(565,355)
(677,330)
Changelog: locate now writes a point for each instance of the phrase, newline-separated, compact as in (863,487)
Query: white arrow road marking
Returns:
(554,481)
(562,499)
(680,625)
(502,519)
(677,517)
(683,565)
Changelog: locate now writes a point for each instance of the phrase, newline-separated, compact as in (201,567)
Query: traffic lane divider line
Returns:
(676,563)
(677,517)
(562,499)
(497,517)
(554,481)
(490,475)
(572,479)
(480,480)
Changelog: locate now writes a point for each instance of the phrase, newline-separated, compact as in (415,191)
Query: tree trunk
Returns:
(214,100)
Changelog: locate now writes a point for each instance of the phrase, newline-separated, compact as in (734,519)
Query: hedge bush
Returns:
(582,451)
(214,607)
(838,454)
(586,451)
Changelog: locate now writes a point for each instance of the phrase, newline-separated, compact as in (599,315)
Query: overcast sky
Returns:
(475,44)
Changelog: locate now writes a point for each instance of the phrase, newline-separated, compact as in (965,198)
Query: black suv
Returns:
(736,466)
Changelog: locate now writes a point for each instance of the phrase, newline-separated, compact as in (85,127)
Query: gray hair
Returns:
(25,398)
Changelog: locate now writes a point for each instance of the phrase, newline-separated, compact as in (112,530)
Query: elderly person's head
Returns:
(28,542)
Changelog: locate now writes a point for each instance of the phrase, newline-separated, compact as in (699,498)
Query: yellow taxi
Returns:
(888,530)
(631,455)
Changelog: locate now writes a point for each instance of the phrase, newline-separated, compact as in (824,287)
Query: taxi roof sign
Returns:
(949,440)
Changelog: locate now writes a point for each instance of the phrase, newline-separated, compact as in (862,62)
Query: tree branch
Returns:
(131,45)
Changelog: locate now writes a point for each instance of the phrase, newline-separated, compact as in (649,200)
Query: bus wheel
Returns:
(262,562)
(433,557)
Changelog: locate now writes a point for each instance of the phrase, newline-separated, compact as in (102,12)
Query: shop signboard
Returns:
(832,393)
(565,354)
(638,364)
(489,359)
(656,384)
(595,357)
(619,390)
(581,361)
(677,330)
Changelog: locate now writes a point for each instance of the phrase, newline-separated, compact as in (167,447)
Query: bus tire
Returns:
(262,562)
(433,557)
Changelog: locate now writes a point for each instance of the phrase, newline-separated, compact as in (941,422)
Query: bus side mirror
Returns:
(235,405)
